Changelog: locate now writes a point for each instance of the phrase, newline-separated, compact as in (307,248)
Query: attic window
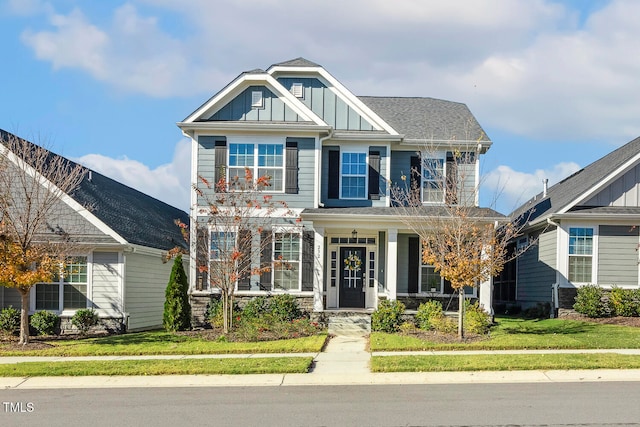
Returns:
(257,99)
(297,90)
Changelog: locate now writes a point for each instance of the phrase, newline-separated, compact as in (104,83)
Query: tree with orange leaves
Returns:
(32,240)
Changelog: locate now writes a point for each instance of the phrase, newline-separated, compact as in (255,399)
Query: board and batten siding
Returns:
(326,104)
(240,108)
(106,283)
(146,278)
(618,255)
(625,191)
(402,284)
(536,270)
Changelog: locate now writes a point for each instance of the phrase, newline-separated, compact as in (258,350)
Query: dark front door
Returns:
(352,277)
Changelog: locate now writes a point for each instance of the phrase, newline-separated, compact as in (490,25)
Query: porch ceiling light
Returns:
(354,234)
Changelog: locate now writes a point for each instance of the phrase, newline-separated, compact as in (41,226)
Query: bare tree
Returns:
(234,244)
(32,182)
(464,243)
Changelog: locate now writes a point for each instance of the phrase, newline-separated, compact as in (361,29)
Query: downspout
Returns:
(554,287)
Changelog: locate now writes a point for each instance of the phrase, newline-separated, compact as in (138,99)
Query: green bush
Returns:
(84,320)
(623,302)
(284,307)
(590,302)
(427,311)
(387,317)
(444,324)
(45,322)
(256,307)
(9,320)
(177,310)
(476,320)
(214,312)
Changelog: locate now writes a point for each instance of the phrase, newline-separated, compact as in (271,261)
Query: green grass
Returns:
(512,333)
(265,365)
(160,342)
(506,362)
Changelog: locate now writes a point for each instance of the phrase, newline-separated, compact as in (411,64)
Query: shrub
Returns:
(387,317)
(45,322)
(427,311)
(214,312)
(407,327)
(256,307)
(590,302)
(9,320)
(84,320)
(284,307)
(177,310)
(476,320)
(444,324)
(623,302)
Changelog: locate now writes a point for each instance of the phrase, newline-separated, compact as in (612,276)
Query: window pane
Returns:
(285,276)
(581,241)
(286,261)
(433,181)
(75,296)
(241,155)
(48,297)
(580,269)
(222,243)
(275,178)
(429,280)
(76,270)
(354,167)
(270,155)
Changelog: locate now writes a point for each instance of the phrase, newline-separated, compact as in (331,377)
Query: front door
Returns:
(352,277)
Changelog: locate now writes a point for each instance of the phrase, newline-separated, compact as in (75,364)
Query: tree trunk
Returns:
(24,315)
(225,312)
(461,314)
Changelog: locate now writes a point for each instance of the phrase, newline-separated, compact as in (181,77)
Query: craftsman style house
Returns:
(333,157)
(585,230)
(117,268)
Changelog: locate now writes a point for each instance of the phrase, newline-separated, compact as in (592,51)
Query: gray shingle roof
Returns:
(138,218)
(563,193)
(297,62)
(427,118)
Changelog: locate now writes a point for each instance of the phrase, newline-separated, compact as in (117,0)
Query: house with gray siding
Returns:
(336,156)
(117,268)
(584,230)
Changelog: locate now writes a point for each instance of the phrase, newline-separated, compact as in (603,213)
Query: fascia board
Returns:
(64,197)
(241,83)
(363,136)
(600,185)
(250,127)
(333,84)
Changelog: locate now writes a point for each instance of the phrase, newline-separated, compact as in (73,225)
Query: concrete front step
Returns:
(353,325)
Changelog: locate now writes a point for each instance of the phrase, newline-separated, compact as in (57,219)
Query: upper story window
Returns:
(353,177)
(261,159)
(580,254)
(67,291)
(433,180)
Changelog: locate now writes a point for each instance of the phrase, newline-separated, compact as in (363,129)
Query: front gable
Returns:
(623,191)
(272,108)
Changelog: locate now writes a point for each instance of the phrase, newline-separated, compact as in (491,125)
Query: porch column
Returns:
(486,296)
(392,263)
(318,269)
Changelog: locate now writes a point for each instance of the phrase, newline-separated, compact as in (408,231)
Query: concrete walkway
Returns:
(344,361)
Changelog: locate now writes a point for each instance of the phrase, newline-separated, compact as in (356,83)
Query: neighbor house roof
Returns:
(137,217)
(297,62)
(562,196)
(427,118)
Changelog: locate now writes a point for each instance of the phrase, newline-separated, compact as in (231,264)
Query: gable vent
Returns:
(257,100)
(297,90)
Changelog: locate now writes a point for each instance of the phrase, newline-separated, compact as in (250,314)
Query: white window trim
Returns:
(424,157)
(61,310)
(293,230)
(359,150)
(255,168)
(564,250)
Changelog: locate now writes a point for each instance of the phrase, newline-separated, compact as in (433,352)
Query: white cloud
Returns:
(510,188)
(169,183)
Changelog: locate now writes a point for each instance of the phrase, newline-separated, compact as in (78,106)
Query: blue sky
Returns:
(553,83)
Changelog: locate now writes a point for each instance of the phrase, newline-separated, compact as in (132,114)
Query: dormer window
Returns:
(297,90)
(257,99)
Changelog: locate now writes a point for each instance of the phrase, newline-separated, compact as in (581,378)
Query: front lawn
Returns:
(511,333)
(160,342)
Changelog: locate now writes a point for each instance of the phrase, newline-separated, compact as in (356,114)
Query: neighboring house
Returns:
(333,157)
(118,269)
(584,230)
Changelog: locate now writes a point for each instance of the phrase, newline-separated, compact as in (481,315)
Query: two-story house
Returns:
(333,157)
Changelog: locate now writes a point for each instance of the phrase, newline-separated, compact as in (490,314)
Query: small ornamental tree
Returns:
(177,310)
(235,232)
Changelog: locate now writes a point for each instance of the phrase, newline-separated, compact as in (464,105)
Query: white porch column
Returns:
(392,263)
(486,296)
(318,269)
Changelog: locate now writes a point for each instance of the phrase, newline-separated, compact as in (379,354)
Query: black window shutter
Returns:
(374,175)
(307,260)
(220,161)
(414,263)
(244,245)
(334,175)
(416,171)
(291,169)
(202,258)
(265,261)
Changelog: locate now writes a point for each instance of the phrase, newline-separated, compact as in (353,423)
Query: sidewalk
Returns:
(343,362)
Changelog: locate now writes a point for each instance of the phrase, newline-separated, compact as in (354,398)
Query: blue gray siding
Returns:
(624,191)
(240,109)
(618,255)
(536,270)
(402,285)
(327,105)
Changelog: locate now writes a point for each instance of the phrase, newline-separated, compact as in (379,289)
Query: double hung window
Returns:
(353,176)
(433,181)
(68,290)
(261,159)
(286,260)
(580,254)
